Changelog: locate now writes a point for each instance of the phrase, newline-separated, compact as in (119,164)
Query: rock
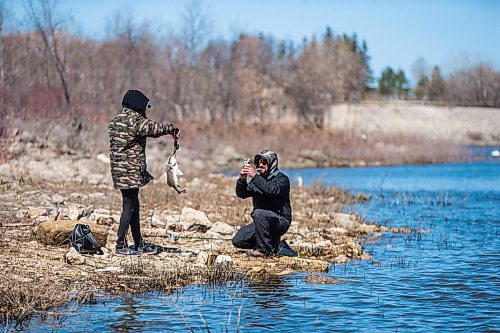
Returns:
(367,228)
(73,212)
(57,232)
(158,221)
(345,220)
(340,259)
(324,243)
(102,219)
(366,256)
(41,219)
(33,213)
(213,235)
(195,220)
(223,260)
(73,257)
(57,199)
(222,228)
(202,258)
(110,269)
(313,278)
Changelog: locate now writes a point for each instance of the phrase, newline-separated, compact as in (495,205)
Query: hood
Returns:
(135,100)
(272,160)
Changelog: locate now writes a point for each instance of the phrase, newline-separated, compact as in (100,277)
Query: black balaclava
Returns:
(135,100)
(272,160)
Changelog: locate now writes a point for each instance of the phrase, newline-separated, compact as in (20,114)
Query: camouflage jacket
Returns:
(127,147)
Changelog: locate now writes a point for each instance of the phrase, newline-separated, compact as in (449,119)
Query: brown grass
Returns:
(34,294)
(297,146)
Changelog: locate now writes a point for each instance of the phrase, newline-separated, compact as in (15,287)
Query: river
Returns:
(446,280)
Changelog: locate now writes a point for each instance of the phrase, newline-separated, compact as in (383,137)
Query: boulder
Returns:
(57,232)
(345,221)
(194,220)
(222,228)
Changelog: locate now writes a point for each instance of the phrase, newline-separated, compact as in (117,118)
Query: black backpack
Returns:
(84,241)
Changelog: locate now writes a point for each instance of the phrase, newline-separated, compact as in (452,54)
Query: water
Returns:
(447,280)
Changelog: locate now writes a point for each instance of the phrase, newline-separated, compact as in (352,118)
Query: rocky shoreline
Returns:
(44,193)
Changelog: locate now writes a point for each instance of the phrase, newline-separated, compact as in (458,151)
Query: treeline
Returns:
(50,72)
(478,85)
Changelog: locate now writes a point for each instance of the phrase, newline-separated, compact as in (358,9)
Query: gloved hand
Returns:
(174,131)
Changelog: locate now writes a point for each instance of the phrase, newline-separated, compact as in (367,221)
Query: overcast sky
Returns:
(448,33)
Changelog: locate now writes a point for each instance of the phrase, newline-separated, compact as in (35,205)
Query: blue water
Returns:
(447,280)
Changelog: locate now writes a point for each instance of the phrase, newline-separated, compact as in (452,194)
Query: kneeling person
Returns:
(272,213)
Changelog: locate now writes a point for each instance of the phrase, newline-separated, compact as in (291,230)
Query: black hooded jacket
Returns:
(269,192)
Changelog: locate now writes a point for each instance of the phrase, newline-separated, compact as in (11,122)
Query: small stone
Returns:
(321,279)
(202,258)
(223,260)
(73,257)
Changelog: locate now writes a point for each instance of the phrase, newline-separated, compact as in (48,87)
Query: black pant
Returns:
(263,234)
(130,217)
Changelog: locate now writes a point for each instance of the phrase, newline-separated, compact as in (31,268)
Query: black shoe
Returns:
(285,250)
(125,251)
(147,248)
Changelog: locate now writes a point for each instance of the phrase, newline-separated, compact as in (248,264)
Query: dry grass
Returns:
(296,145)
(34,294)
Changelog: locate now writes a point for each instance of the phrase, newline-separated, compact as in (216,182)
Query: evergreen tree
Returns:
(422,89)
(392,83)
(401,84)
(386,83)
(366,59)
(328,34)
(437,85)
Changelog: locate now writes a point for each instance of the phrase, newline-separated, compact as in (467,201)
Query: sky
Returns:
(447,33)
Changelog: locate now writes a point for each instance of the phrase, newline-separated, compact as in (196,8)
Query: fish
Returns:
(174,174)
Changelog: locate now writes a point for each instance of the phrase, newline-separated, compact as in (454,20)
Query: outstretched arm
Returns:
(149,128)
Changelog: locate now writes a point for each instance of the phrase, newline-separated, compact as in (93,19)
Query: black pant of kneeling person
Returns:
(269,189)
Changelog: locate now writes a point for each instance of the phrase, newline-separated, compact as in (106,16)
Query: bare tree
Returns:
(47,23)
(475,86)
(3,12)
(196,27)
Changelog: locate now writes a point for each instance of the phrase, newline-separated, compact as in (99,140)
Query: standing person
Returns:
(272,213)
(127,153)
